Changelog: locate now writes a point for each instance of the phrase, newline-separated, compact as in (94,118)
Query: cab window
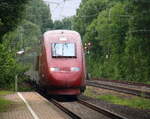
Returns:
(67,50)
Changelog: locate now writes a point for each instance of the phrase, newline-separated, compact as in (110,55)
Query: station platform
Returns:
(31,105)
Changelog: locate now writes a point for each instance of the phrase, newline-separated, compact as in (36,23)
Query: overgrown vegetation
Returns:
(4,104)
(21,24)
(5,92)
(24,84)
(10,15)
(66,23)
(135,102)
(119,33)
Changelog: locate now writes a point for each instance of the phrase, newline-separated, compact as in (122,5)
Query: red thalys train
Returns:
(61,63)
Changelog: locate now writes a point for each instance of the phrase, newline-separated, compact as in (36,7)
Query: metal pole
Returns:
(16,83)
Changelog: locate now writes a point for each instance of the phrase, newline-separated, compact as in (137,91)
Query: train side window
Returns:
(67,50)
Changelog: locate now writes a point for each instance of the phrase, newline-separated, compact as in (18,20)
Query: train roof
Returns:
(54,32)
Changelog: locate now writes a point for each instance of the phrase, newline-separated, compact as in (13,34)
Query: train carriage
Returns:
(61,63)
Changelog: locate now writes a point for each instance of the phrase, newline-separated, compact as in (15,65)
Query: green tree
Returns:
(20,32)
(119,35)
(87,12)
(65,23)
(10,15)
(38,13)
(138,43)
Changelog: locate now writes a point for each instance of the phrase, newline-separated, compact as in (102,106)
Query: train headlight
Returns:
(54,69)
(75,69)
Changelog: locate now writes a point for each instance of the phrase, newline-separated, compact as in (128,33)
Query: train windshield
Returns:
(66,50)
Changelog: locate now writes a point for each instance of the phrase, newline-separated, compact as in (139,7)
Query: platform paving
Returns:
(40,106)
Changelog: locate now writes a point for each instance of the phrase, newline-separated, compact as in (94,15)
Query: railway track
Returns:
(64,109)
(124,82)
(107,113)
(73,115)
(58,102)
(120,89)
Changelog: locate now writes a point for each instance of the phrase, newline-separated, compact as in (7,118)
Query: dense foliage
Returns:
(65,23)
(10,15)
(21,26)
(39,13)
(118,31)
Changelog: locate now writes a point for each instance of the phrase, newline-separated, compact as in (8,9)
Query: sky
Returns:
(62,8)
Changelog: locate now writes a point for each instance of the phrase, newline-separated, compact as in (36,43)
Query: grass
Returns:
(4,92)
(4,103)
(135,102)
(88,92)
(148,82)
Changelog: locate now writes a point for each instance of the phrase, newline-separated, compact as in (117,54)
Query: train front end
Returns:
(65,63)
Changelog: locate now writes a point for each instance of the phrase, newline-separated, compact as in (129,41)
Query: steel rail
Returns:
(123,82)
(61,107)
(105,112)
(68,112)
(121,89)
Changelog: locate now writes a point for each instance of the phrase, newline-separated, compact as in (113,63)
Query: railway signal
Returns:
(87,47)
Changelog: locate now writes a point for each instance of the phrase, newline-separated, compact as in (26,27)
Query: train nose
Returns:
(66,77)
(65,69)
